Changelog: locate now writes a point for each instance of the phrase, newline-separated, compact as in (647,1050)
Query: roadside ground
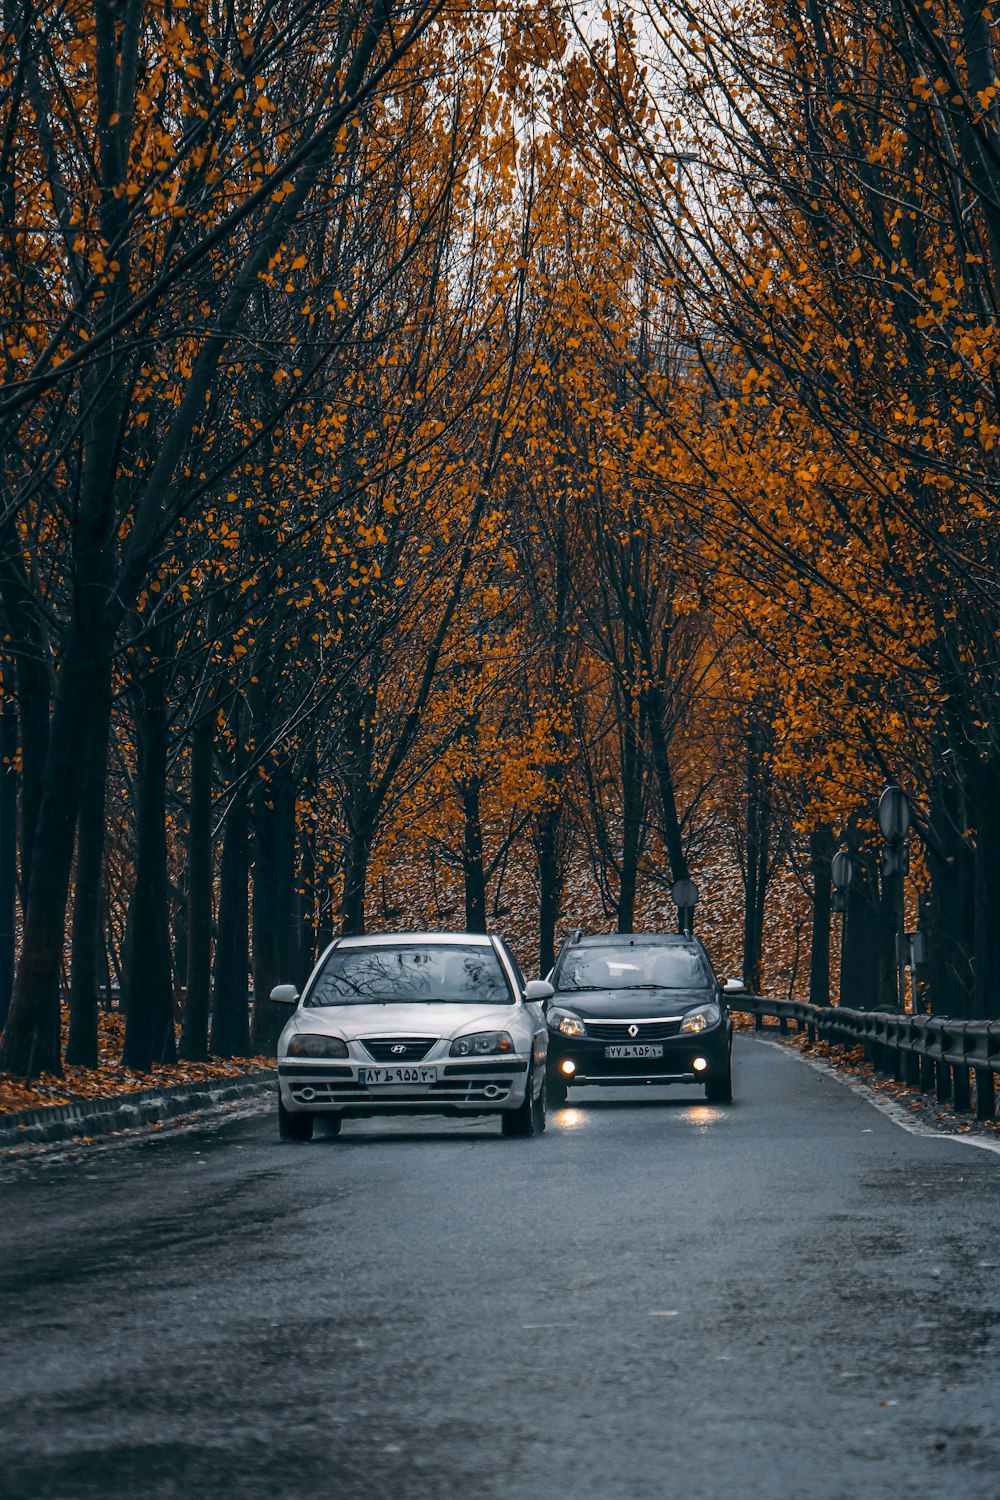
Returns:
(110,1078)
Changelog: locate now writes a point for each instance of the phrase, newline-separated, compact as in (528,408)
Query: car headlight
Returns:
(566,1022)
(702,1018)
(482,1044)
(312,1045)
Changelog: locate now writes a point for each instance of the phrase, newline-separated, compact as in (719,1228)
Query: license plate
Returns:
(376,1077)
(635,1049)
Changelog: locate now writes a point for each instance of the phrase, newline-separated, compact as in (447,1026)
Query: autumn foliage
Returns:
(461,458)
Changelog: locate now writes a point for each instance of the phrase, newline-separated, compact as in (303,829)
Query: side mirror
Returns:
(285,994)
(734,986)
(538,989)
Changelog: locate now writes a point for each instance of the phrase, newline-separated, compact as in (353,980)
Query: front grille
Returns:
(385,1048)
(646,1031)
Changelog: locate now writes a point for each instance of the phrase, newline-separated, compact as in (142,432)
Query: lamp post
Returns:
(684,895)
(894,821)
(841,873)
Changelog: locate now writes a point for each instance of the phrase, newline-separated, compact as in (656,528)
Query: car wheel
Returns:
(556,1090)
(719,1090)
(523,1121)
(294,1125)
(538,1110)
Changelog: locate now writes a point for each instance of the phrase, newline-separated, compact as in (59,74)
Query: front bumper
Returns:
(462,1087)
(676,1065)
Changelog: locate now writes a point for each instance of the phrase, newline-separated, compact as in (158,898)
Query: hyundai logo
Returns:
(633,1030)
(399,1050)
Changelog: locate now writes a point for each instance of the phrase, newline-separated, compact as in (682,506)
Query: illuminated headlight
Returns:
(702,1018)
(311,1045)
(482,1044)
(565,1022)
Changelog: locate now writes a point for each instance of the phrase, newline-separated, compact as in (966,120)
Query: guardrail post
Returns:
(961,1093)
(927,1074)
(943,1090)
(986,1094)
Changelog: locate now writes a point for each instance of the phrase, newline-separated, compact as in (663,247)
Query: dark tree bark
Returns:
(633,784)
(950,932)
(986,897)
(473,869)
(8,846)
(821,851)
(758,856)
(197,992)
(860,953)
(33,691)
(31,1037)
(149,1021)
(273,879)
(88,903)
(356,858)
(660,756)
(551,874)
(230,998)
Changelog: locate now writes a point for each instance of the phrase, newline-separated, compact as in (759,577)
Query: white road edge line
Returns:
(888,1107)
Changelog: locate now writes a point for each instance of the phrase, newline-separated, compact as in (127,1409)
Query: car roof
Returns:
(636,940)
(387,939)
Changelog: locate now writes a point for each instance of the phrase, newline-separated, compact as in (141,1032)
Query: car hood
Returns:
(631,1003)
(403,1020)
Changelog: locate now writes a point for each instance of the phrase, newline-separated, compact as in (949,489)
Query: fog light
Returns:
(700,1064)
(567,1066)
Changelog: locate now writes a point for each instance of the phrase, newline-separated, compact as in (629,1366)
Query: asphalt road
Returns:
(788,1298)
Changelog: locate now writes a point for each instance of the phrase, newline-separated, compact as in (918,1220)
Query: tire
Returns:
(528,1119)
(294,1125)
(719,1090)
(556,1091)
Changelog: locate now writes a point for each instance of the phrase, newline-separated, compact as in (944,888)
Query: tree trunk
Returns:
(632,780)
(550,884)
(230,1008)
(950,930)
(31,1037)
(356,859)
(88,903)
(859,964)
(304,927)
(758,859)
(8,845)
(660,755)
(986,901)
(273,872)
(149,1021)
(821,852)
(472,856)
(197,992)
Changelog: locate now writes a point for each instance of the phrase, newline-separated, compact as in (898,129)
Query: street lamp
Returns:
(894,820)
(684,895)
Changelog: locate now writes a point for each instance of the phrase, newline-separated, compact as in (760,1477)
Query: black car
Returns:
(631,1009)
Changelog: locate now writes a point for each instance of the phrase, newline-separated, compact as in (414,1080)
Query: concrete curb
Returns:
(89,1117)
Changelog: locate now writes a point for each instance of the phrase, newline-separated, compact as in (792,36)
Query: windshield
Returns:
(410,973)
(616,967)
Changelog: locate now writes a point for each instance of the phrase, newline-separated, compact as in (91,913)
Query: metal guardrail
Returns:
(936,1054)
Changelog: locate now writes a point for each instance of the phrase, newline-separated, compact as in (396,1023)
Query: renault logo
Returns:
(398,1051)
(633,1030)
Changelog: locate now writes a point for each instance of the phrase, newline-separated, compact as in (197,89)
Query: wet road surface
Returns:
(788,1298)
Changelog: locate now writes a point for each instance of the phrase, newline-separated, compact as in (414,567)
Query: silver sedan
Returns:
(414,1023)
